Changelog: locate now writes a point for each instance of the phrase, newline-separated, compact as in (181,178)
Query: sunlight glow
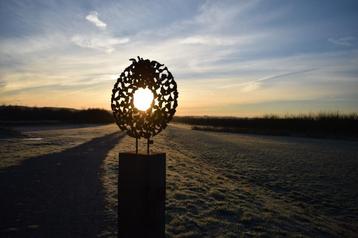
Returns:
(143,98)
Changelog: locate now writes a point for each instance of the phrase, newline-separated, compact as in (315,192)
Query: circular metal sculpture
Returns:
(144,80)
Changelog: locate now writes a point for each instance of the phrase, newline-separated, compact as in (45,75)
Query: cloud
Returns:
(2,84)
(31,44)
(255,84)
(103,43)
(215,40)
(285,74)
(217,16)
(250,86)
(93,18)
(343,41)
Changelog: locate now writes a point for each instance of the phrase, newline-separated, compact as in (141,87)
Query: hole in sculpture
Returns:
(143,98)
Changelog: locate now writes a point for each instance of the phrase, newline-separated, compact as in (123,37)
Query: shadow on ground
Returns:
(56,195)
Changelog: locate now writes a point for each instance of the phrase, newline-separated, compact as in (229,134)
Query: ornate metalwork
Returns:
(144,74)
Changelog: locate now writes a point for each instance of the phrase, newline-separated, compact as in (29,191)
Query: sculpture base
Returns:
(141,195)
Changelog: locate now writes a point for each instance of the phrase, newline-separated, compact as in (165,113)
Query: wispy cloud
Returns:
(255,84)
(93,18)
(343,41)
(2,83)
(30,44)
(103,43)
(213,40)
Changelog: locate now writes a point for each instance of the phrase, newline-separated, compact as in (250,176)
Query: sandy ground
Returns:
(63,183)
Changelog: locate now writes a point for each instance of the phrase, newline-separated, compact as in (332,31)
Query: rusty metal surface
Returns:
(143,73)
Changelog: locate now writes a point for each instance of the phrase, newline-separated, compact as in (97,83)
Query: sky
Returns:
(229,58)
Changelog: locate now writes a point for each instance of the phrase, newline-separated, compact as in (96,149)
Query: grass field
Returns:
(320,125)
(63,181)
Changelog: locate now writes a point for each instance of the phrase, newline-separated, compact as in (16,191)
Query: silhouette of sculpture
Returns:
(144,74)
(141,196)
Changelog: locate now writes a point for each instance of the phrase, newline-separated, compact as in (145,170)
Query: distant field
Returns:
(331,125)
(321,125)
(218,184)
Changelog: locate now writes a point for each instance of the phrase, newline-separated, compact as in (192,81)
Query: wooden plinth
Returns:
(141,195)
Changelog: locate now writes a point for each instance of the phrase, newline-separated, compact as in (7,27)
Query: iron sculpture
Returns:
(143,74)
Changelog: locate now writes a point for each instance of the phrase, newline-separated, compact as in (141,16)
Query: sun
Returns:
(143,98)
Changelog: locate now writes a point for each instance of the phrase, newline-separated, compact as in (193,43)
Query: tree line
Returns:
(14,113)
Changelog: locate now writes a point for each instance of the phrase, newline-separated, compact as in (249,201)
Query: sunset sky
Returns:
(233,58)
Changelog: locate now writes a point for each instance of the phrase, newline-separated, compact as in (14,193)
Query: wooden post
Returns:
(148,140)
(141,195)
